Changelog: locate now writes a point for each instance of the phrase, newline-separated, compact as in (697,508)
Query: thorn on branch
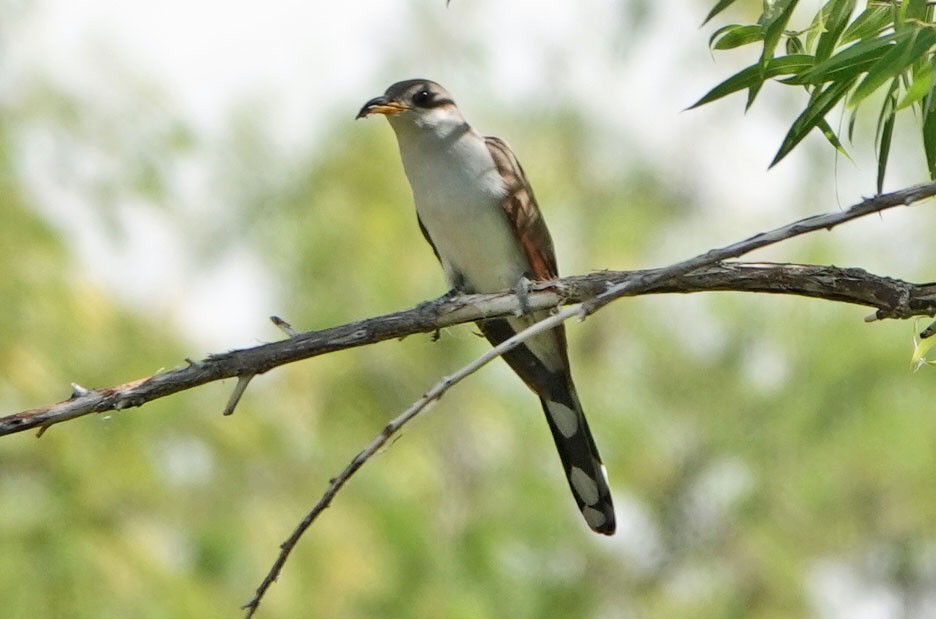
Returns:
(78,391)
(242,381)
(284,326)
(522,290)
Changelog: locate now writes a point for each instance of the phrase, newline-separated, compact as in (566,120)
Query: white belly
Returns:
(475,244)
(458,193)
(458,198)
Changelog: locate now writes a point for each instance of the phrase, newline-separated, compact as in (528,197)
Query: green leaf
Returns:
(922,85)
(734,36)
(754,89)
(913,9)
(717,33)
(752,75)
(839,12)
(816,27)
(851,122)
(929,134)
(794,46)
(776,18)
(872,21)
(886,131)
(718,8)
(884,150)
(830,135)
(852,61)
(886,108)
(895,61)
(821,104)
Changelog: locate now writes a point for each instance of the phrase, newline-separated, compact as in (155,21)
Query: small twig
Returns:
(242,381)
(389,430)
(78,391)
(826,221)
(928,331)
(284,326)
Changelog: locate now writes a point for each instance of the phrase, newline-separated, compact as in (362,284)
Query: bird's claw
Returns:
(522,290)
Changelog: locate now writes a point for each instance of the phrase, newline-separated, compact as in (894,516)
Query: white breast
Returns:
(458,193)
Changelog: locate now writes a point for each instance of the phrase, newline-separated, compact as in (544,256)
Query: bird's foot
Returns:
(450,294)
(432,306)
(522,290)
(433,303)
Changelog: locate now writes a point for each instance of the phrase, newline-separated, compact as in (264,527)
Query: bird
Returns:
(476,208)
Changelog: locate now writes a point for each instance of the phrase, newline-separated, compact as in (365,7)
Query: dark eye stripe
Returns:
(438,102)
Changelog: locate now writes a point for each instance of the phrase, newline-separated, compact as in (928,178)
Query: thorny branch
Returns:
(891,298)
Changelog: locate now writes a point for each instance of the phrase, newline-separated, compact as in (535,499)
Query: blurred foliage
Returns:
(753,442)
(888,49)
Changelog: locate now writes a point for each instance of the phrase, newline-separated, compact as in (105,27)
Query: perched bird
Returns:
(477,210)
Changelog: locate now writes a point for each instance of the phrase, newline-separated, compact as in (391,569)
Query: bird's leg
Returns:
(522,290)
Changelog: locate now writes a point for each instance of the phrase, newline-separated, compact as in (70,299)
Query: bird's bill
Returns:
(381,105)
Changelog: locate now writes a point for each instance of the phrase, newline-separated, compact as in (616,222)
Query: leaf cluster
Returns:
(844,55)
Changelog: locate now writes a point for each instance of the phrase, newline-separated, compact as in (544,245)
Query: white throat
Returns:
(458,193)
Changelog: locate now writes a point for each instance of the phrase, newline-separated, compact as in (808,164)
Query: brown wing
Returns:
(523,213)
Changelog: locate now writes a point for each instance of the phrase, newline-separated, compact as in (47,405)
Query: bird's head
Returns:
(416,103)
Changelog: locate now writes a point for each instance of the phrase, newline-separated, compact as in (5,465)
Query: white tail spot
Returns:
(564,417)
(584,486)
(593,517)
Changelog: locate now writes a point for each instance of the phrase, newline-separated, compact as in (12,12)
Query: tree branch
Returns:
(892,298)
(827,221)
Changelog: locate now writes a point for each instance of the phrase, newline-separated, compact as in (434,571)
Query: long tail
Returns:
(580,459)
(544,367)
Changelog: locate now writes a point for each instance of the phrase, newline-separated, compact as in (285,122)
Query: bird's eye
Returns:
(422,97)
